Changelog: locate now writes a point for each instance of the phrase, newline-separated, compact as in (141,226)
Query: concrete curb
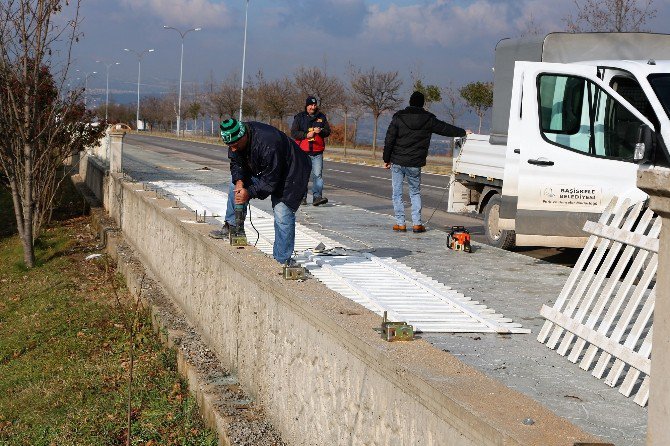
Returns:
(224,405)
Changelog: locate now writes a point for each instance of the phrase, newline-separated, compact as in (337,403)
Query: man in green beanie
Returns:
(265,162)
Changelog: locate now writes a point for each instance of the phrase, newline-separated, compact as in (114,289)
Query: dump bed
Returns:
(480,159)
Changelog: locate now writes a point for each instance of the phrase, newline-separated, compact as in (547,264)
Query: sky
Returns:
(441,41)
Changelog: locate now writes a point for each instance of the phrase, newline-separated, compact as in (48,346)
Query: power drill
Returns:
(237,234)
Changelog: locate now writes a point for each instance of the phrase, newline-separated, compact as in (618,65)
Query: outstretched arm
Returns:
(444,129)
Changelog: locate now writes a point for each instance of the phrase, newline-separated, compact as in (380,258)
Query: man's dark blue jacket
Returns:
(276,161)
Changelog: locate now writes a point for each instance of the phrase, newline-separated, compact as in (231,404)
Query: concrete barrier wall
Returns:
(313,358)
(92,172)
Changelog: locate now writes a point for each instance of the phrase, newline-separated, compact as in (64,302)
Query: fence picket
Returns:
(600,277)
(632,338)
(586,277)
(615,305)
(607,303)
(633,373)
(576,271)
(613,281)
(625,318)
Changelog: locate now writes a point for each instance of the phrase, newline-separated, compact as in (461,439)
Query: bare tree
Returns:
(40,123)
(278,98)
(376,91)
(610,15)
(344,110)
(349,108)
(119,113)
(314,82)
(357,112)
(252,100)
(225,99)
(452,103)
(530,27)
(152,109)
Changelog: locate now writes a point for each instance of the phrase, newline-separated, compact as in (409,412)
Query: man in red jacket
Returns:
(309,129)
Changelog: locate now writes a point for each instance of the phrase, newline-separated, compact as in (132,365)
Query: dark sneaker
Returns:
(418,228)
(303,202)
(318,201)
(400,228)
(223,233)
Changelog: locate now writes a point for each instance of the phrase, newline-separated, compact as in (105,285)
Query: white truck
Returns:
(574,118)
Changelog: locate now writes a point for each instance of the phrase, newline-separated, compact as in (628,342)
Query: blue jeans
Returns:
(282,250)
(413,176)
(317,178)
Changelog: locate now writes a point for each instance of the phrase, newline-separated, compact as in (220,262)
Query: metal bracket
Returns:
(201,218)
(294,272)
(397,331)
(238,239)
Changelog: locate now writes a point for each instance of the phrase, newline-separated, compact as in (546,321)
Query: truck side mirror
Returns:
(645,144)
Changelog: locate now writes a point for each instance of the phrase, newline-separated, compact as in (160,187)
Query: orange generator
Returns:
(458,239)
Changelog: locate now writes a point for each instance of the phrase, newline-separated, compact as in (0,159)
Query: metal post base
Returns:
(294,272)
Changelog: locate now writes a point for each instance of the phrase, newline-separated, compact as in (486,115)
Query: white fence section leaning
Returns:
(603,316)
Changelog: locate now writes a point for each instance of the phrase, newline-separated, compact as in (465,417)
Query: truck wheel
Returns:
(495,236)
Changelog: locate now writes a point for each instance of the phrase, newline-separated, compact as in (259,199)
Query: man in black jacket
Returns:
(266,162)
(405,152)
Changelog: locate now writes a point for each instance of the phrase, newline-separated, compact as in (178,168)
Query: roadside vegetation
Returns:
(64,349)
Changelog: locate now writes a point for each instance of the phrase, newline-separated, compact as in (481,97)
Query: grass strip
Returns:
(64,353)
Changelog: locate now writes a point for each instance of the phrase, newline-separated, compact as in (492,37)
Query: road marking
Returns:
(380,178)
(340,171)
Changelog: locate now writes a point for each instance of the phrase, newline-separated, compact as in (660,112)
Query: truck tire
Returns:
(495,236)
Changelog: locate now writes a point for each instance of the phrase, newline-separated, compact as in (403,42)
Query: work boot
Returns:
(418,228)
(223,233)
(400,228)
(303,202)
(318,201)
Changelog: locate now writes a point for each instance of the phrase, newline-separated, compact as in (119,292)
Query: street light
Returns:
(86,76)
(139,71)
(244,56)
(181,66)
(108,66)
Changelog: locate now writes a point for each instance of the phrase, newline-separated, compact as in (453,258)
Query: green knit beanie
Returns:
(232,130)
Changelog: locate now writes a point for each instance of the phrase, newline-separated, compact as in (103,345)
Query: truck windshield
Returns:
(661,85)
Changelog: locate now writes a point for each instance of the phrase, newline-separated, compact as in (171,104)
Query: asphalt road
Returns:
(363,186)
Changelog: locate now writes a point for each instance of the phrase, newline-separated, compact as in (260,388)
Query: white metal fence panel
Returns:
(603,316)
(379,284)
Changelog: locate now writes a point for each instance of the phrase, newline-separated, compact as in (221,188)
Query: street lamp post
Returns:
(139,71)
(181,67)
(108,66)
(244,56)
(86,76)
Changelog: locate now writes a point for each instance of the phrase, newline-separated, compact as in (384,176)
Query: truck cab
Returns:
(576,133)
